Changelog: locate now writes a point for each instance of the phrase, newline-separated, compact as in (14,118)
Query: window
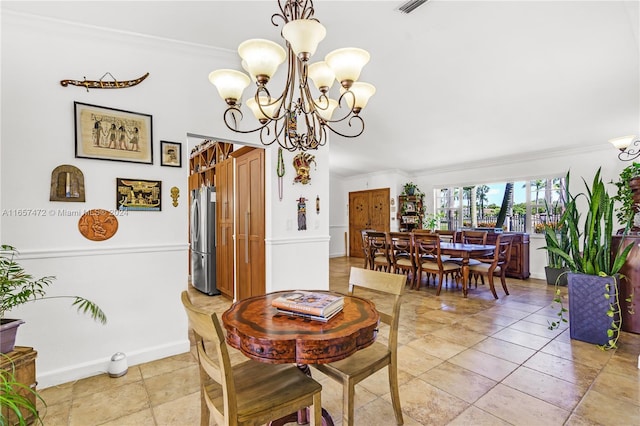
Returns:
(529,205)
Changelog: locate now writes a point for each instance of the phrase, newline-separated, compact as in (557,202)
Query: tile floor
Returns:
(474,361)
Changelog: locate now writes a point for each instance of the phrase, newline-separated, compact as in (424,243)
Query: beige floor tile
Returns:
(57,394)
(460,335)
(506,312)
(541,330)
(555,391)
(103,382)
(109,404)
(178,412)
(505,350)
(139,418)
(168,364)
(436,346)
(581,352)
(56,414)
(458,381)
(415,362)
(616,386)
(487,365)
(606,410)
(429,405)
(477,417)
(562,368)
(521,338)
(519,408)
(171,385)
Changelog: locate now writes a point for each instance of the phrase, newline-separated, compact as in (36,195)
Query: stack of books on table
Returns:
(309,304)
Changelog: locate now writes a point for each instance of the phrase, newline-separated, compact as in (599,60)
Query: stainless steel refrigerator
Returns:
(203,240)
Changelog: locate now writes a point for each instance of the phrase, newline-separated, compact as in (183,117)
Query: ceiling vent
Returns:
(411,5)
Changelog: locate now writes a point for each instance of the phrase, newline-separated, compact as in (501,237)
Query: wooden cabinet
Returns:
(630,284)
(24,363)
(224,227)
(250,226)
(368,209)
(202,162)
(411,212)
(519,264)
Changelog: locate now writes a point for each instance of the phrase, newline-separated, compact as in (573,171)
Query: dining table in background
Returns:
(262,333)
(466,252)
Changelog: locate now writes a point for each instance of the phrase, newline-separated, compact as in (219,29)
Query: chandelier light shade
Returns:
(230,84)
(296,118)
(347,64)
(623,143)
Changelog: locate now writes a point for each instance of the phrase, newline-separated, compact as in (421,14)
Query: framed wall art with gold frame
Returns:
(113,134)
(138,195)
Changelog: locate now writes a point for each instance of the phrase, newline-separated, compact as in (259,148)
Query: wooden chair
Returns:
(365,248)
(250,393)
(429,260)
(469,236)
(402,258)
(448,235)
(362,364)
(500,259)
(379,253)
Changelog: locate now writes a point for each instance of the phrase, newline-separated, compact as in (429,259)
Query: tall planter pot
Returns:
(556,275)
(588,320)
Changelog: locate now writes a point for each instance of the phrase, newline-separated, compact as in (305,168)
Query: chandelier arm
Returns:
(354,117)
(229,112)
(630,154)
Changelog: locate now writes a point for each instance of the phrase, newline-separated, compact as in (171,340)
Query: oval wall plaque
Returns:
(98,225)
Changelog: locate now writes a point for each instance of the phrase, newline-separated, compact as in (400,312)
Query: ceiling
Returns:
(458,82)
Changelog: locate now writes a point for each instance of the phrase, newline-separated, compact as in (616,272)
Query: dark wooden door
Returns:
(250,226)
(368,209)
(224,227)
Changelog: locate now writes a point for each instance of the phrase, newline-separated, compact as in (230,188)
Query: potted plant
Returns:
(556,235)
(17,287)
(628,196)
(593,283)
(432,221)
(411,188)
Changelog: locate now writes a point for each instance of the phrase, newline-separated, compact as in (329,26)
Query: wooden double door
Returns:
(368,209)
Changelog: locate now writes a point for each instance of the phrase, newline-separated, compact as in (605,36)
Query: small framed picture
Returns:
(171,154)
(138,194)
(113,134)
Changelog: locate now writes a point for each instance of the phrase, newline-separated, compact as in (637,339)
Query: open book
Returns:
(309,302)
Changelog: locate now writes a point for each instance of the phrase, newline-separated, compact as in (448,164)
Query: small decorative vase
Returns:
(411,191)
(8,330)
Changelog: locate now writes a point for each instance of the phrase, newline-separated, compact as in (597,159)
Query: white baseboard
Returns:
(99,366)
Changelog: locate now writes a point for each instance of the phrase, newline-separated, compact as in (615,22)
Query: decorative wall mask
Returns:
(175,193)
(302,213)
(67,184)
(302,163)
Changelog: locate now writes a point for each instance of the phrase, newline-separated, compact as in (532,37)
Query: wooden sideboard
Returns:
(24,363)
(519,264)
(630,284)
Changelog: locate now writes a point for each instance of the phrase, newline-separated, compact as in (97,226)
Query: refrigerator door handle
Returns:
(246,234)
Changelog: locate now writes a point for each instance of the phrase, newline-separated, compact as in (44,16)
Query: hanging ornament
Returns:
(280,173)
(302,213)
(302,163)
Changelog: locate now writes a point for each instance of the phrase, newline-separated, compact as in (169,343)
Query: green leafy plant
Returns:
(626,211)
(589,248)
(15,401)
(411,188)
(432,221)
(17,287)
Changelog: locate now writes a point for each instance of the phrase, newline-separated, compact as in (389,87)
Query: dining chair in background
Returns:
(498,263)
(470,236)
(402,259)
(379,253)
(365,248)
(249,393)
(429,259)
(362,364)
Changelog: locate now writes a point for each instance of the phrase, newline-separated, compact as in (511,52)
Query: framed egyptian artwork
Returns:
(138,195)
(113,134)
(171,154)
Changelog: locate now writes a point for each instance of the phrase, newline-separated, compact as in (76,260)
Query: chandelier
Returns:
(296,119)
(623,143)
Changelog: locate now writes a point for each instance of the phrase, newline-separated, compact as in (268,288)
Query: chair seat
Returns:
(362,363)
(458,260)
(446,266)
(480,267)
(404,262)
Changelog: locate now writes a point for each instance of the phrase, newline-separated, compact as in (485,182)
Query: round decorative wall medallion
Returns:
(98,225)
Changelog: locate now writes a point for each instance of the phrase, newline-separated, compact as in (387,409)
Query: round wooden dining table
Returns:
(264,334)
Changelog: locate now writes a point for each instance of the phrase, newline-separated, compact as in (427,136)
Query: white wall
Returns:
(138,274)
(582,163)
